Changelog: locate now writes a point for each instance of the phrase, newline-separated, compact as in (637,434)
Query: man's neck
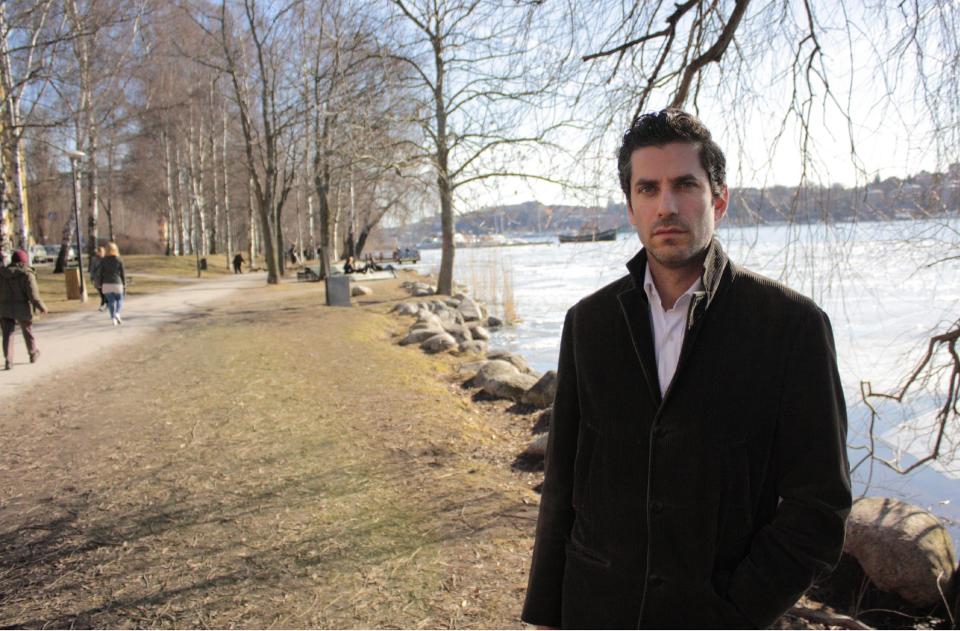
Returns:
(672,282)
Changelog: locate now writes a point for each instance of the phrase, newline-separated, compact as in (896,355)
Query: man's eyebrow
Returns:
(687,177)
(644,182)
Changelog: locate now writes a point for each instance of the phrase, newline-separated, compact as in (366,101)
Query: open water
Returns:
(873,279)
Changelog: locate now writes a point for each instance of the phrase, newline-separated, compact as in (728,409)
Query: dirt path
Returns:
(71,340)
(261,461)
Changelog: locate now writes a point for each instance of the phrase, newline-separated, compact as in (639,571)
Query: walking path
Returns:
(75,338)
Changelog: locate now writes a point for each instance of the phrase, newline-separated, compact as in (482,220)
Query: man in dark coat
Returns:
(19,297)
(696,472)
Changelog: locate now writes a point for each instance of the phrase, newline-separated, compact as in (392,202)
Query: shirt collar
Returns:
(715,266)
(654,296)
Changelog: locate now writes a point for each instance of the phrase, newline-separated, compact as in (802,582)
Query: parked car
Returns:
(53,251)
(38,254)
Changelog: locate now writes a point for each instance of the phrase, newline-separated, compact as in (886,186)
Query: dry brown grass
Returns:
(265,463)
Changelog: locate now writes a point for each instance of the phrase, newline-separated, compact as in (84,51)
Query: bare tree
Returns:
(481,75)
(30,34)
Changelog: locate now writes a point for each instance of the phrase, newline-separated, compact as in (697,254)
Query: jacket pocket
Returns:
(584,554)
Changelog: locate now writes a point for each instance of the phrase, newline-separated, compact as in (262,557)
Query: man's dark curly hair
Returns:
(656,129)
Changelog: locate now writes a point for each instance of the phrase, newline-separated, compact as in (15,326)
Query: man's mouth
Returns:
(668,231)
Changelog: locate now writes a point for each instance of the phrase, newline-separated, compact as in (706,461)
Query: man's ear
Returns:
(720,203)
(630,215)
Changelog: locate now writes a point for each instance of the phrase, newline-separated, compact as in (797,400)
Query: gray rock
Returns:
(418,336)
(513,358)
(543,421)
(479,332)
(431,319)
(902,548)
(452,302)
(360,290)
(405,308)
(509,386)
(422,292)
(494,322)
(477,347)
(470,309)
(538,446)
(542,393)
(461,296)
(469,369)
(491,370)
(458,331)
(439,343)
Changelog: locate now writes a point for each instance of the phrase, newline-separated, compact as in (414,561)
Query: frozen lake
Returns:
(873,279)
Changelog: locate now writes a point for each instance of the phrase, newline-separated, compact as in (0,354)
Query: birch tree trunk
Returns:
(93,188)
(228,230)
(197,155)
(311,239)
(251,224)
(182,206)
(172,249)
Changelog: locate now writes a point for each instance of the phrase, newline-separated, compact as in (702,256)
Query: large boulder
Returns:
(494,322)
(477,347)
(538,446)
(360,290)
(491,370)
(542,393)
(517,360)
(902,548)
(406,309)
(543,421)
(420,335)
(431,319)
(509,386)
(470,309)
(479,332)
(458,331)
(439,343)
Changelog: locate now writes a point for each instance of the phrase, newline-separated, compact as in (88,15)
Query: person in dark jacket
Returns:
(696,470)
(238,263)
(113,282)
(19,298)
(94,267)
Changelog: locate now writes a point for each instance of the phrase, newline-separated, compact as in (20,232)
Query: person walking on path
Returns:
(19,298)
(112,282)
(94,267)
(238,263)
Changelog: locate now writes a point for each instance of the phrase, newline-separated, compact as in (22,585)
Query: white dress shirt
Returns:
(669,327)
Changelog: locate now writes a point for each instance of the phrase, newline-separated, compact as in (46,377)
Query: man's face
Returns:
(671,205)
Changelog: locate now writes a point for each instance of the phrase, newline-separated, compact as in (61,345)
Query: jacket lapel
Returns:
(636,312)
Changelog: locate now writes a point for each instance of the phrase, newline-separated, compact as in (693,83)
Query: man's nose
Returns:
(668,203)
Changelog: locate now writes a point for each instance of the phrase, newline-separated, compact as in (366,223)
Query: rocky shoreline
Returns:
(899,567)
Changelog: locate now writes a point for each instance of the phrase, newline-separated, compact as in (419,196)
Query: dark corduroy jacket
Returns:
(715,505)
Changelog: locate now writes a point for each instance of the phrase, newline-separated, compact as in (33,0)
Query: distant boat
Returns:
(588,236)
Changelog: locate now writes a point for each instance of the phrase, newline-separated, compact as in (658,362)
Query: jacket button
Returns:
(656,506)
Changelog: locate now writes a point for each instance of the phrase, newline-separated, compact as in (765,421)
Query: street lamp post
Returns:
(75,157)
